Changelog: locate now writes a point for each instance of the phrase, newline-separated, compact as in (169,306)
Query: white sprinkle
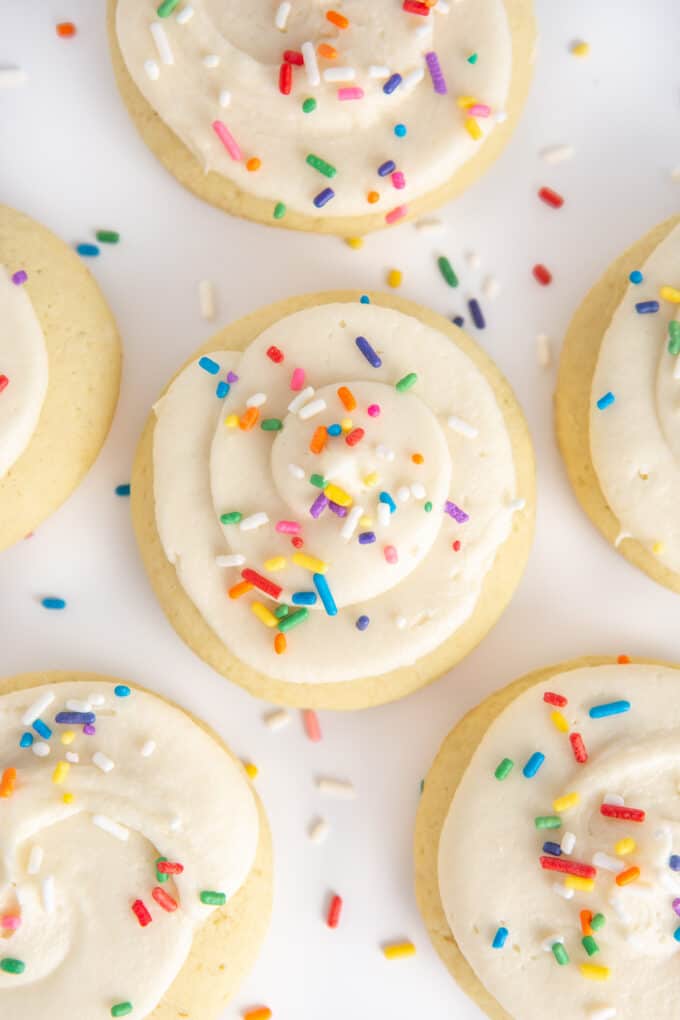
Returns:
(257,400)
(606,1013)
(384,514)
(48,895)
(568,843)
(148,748)
(384,452)
(400,622)
(78,706)
(516,504)
(96,700)
(40,749)
(556,153)
(296,471)
(421,31)
(206,299)
(473,259)
(162,43)
(566,894)
(72,757)
(608,863)
(211,61)
(113,828)
(337,788)
(620,538)
(318,830)
(35,859)
(491,288)
(413,78)
(281,17)
(230,560)
(254,521)
(311,63)
(301,399)
(442,7)
(430,225)
(186,14)
(12,77)
(102,761)
(339,74)
(462,427)
(276,720)
(225,98)
(37,708)
(418,490)
(617,905)
(551,940)
(403,493)
(312,408)
(378,71)
(175,824)
(153,71)
(351,521)
(500,116)
(613,798)
(543,352)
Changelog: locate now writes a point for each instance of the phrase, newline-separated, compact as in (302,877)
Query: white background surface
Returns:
(70,157)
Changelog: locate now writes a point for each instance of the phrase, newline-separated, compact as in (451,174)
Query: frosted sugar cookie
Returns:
(334,499)
(338,119)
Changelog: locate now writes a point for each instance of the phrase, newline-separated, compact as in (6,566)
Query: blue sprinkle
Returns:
(208,365)
(676,934)
(500,938)
(647,307)
(323,197)
(42,729)
(121,691)
(611,708)
(476,313)
(554,849)
(26,740)
(362,622)
(321,585)
(388,167)
(334,430)
(458,320)
(636,276)
(368,352)
(606,401)
(533,765)
(385,497)
(400,130)
(222,389)
(88,250)
(364,299)
(392,83)
(366,537)
(304,598)
(122,490)
(75,718)
(53,603)
(674,862)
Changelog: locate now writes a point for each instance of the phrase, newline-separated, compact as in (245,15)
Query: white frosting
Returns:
(169,789)
(204,469)
(635,442)
(489,870)
(23,362)
(166,57)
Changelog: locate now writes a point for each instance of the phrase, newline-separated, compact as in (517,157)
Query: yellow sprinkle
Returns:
(355,242)
(231,421)
(365,521)
(580,49)
(473,128)
(559,721)
(465,102)
(60,772)
(569,800)
(346,424)
(275,563)
(395,278)
(251,770)
(595,973)
(658,548)
(311,562)
(264,614)
(372,479)
(68,737)
(398,949)
(576,882)
(625,846)
(68,798)
(671,294)
(337,495)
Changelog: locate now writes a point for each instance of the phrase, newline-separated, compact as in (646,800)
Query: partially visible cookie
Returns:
(60,365)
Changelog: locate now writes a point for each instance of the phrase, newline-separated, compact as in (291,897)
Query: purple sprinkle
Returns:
(476,313)
(75,718)
(89,730)
(19,277)
(676,905)
(323,197)
(392,83)
(366,537)
(433,66)
(232,377)
(456,512)
(388,167)
(319,505)
(341,511)
(371,357)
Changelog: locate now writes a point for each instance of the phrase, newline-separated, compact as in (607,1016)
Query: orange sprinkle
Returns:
(418,458)
(261,1013)
(339,20)
(623,660)
(66,29)
(347,398)
(9,778)
(280,644)
(318,439)
(253,164)
(324,50)
(586,917)
(240,589)
(628,876)
(249,419)
(372,197)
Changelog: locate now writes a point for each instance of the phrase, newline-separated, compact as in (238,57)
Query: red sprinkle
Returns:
(551,198)
(297,542)
(456,545)
(354,437)
(293,57)
(568,867)
(285,79)
(334,911)
(66,29)
(141,913)
(312,724)
(275,354)
(555,699)
(263,583)
(543,275)
(625,814)
(415,7)
(578,747)
(169,868)
(4,382)
(164,900)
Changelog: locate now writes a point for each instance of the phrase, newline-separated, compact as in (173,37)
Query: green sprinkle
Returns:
(281,611)
(279,210)
(231,518)
(321,165)
(504,769)
(164,10)
(427,507)
(309,105)
(121,1009)
(598,922)
(590,945)
(11,966)
(674,337)
(272,424)
(292,620)
(548,822)
(318,480)
(446,269)
(160,875)
(213,899)
(473,58)
(108,236)
(560,953)
(407,382)
(422,786)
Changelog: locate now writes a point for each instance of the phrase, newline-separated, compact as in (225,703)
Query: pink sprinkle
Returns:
(391,554)
(479,110)
(350,92)
(396,214)
(373,410)
(11,922)
(227,139)
(288,527)
(398,180)
(312,724)
(297,379)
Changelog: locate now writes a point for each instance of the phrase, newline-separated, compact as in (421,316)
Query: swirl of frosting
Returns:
(331,112)
(97,783)
(338,491)
(575,824)
(634,439)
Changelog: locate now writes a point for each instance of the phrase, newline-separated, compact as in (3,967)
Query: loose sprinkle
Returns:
(447,271)
(66,29)
(312,725)
(261,1013)
(87,250)
(334,911)
(395,278)
(551,198)
(542,274)
(336,788)
(397,950)
(51,602)
(476,314)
